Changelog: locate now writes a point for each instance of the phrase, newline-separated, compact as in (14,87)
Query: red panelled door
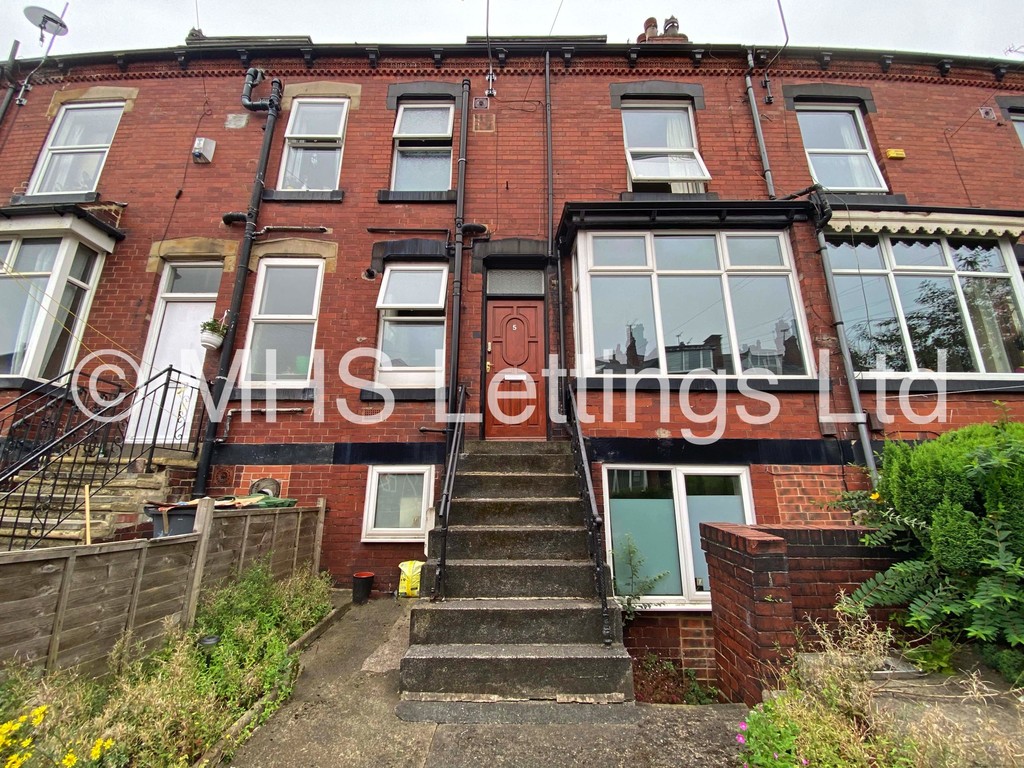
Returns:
(515,406)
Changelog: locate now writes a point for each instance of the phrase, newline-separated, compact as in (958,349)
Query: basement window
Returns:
(654,516)
(397,501)
(412,324)
(314,140)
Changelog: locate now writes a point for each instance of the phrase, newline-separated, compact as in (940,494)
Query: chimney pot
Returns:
(651,28)
(671,26)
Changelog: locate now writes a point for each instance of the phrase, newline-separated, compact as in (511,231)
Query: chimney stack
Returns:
(670,35)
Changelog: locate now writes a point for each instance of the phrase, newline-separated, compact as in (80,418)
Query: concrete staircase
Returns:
(116,501)
(521,620)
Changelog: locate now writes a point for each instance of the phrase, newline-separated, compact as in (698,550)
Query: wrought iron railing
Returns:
(456,433)
(46,485)
(48,410)
(594,521)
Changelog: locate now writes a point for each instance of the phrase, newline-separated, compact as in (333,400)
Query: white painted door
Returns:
(188,298)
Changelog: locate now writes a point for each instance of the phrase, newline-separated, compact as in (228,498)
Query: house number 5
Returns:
(515,327)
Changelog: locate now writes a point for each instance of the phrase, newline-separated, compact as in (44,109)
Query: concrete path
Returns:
(342,712)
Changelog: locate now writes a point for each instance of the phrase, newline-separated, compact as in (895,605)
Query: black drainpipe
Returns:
(460,211)
(272,107)
(552,259)
(11,85)
(766,168)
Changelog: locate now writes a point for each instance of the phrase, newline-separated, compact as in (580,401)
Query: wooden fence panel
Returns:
(68,606)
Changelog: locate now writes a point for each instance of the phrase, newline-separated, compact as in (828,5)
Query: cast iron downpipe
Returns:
(549,138)
(272,107)
(460,212)
(756,115)
(844,349)
(11,85)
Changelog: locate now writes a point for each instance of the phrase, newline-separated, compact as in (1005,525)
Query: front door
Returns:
(514,391)
(187,299)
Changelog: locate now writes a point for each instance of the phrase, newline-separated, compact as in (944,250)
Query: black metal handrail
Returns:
(50,409)
(594,520)
(456,433)
(45,487)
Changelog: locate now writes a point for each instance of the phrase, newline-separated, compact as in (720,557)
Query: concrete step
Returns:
(514,578)
(523,463)
(576,672)
(512,543)
(511,620)
(516,447)
(563,510)
(500,485)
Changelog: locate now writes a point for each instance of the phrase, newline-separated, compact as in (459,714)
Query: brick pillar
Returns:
(751,608)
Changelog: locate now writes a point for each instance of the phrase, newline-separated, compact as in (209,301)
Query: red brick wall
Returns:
(685,636)
(770,581)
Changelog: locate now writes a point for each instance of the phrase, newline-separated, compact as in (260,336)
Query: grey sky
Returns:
(966,27)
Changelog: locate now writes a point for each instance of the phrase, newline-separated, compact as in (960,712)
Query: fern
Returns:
(896,585)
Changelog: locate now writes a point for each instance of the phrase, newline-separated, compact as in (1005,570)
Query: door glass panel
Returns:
(710,499)
(515,282)
(642,510)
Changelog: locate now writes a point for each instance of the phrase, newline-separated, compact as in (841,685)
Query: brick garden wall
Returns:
(769,582)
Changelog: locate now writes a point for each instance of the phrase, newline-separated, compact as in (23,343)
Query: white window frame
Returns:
(692,183)
(581,286)
(890,270)
(1017,120)
(411,376)
(691,599)
(440,143)
(866,150)
(71,234)
(50,150)
(294,141)
(371,533)
(257,318)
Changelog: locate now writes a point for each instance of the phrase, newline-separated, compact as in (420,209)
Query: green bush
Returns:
(1009,662)
(955,505)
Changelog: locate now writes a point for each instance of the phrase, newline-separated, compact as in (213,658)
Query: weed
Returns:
(665,681)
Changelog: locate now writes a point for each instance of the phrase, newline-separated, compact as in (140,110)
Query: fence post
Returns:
(58,616)
(318,539)
(204,526)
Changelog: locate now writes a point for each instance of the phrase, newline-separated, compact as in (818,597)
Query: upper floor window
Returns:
(837,149)
(673,303)
(76,149)
(282,331)
(654,515)
(1018,123)
(411,303)
(46,286)
(908,303)
(314,140)
(661,150)
(423,148)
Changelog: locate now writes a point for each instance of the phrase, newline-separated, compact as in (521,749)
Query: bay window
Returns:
(673,303)
(915,303)
(653,532)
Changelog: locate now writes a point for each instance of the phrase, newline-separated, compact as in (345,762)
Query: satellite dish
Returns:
(48,22)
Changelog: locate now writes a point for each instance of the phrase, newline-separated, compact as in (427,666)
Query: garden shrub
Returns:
(955,505)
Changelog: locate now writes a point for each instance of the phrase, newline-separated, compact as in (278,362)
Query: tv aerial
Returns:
(48,22)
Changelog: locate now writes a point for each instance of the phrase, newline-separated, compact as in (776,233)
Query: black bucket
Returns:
(362,583)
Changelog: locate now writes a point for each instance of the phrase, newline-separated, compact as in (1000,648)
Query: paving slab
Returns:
(343,712)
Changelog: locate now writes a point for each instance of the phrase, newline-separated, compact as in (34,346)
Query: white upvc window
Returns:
(76,149)
(908,301)
(46,288)
(412,324)
(671,303)
(313,144)
(423,148)
(654,514)
(837,147)
(397,502)
(661,148)
(1018,123)
(282,329)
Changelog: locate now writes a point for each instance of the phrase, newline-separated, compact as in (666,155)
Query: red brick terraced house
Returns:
(734,260)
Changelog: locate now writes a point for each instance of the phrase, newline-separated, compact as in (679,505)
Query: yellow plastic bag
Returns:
(409,581)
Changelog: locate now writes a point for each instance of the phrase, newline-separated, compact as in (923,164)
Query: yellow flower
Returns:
(875,496)
(26,743)
(98,748)
(38,714)
(108,743)
(70,760)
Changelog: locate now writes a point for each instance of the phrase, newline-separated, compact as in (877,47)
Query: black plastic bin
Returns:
(179,520)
